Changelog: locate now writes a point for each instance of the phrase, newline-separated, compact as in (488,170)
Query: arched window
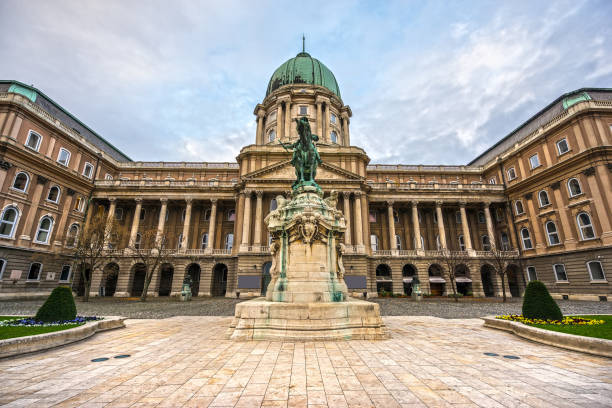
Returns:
(204,242)
(396,217)
(526,239)
(65,274)
(398,242)
(71,238)
(271,135)
(179,241)
(183,214)
(438,245)
(88,170)
(43,233)
(518,205)
(2,267)
(551,232)
(374,242)
(481,217)
(63,157)
(543,197)
(585,226)
(21,181)
(138,241)
(573,187)
(333,136)
(35,271)
(108,177)
(486,243)
(54,194)
(505,242)
(595,270)
(422,243)
(273,204)
(34,140)
(231,215)
(8,221)
(461,243)
(207,215)
(229,241)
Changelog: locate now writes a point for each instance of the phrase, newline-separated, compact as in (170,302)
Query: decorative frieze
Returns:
(590,171)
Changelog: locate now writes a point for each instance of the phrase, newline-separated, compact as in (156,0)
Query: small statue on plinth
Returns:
(186,290)
(417,294)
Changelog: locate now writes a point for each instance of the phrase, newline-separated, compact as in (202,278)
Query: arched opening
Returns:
(138,279)
(383,278)
(409,272)
(109,283)
(81,285)
(219,283)
(486,277)
(462,279)
(265,278)
(436,281)
(513,273)
(194,271)
(165,280)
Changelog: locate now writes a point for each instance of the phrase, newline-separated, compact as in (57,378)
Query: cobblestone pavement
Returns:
(185,361)
(164,307)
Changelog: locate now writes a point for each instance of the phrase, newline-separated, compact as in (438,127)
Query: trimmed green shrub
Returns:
(58,306)
(538,304)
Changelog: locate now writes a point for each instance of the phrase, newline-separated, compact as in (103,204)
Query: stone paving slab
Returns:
(186,361)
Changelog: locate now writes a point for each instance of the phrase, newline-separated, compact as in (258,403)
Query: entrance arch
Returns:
(383,278)
(513,273)
(138,279)
(463,280)
(194,271)
(486,275)
(219,283)
(437,283)
(111,274)
(265,278)
(165,280)
(409,272)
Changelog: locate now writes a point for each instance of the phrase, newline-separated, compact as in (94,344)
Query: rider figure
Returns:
(305,157)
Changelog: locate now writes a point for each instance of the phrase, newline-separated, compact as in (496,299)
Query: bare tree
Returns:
(89,248)
(452,259)
(152,252)
(501,261)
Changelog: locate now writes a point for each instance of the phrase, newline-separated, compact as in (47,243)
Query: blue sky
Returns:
(436,82)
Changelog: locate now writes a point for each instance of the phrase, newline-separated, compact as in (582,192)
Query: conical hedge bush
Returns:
(538,304)
(58,306)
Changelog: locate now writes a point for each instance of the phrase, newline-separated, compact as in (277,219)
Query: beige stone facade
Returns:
(544,190)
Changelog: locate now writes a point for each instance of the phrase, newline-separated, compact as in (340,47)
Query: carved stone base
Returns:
(354,319)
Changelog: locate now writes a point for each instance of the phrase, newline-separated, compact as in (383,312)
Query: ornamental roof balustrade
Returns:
(165,183)
(175,165)
(439,253)
(423,168)
(435,186)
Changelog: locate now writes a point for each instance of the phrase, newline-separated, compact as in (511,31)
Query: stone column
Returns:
(260,130)
(536,227)
(599,202)
(279,119)
(358,220)
(441,230)
(416,227)
(392,245)
(258,218)
(490,228)
(211,225)
(513,238)
(327,120)
(187,223)
(64,219)
(135,222)
(33,210)
(246,221)
(319,120)
(161,223)
(345,129)
(109,218)
(347,216)
(287,132)
(467,239)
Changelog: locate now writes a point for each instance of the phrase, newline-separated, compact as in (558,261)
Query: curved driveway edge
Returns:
(38,342)
(591,345)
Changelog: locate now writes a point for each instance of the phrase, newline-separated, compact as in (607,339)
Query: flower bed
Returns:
(13,327)
(567,320)
(31,322)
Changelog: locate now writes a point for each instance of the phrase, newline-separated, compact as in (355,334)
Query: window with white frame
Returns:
(481,217)
(179,241)
(585,226)
(505,242)
(573,187)
(543,198)
(422,243)
(118,213)
(21,181)
(137,241)
(204,241)
(54,194)
(374,242)
(458,217)
(398,242)
(183,214)
(43,232)
(229,241)
(333,136)
(486,243)
(8,222)
(492,180)
(560,274)
(108,177)
(303,110)
(518,205)
(596,271)
(33,141)
(332,118)
(552,234)
(65,274)
(79,204)
(562,146)
(511,173)
(461,243)
(2,267)
(63,157)
(531,273)
(534,161)
(231,215)
(526,237)
(73,233)
(35,271)
(271,135)
(438,244)
(88,170)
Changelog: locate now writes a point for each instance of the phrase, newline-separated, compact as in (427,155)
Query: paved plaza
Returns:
(185,361)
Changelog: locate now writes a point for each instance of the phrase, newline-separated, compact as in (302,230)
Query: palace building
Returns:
(541,194)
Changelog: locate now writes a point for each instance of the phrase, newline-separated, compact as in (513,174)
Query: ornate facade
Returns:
(543,192)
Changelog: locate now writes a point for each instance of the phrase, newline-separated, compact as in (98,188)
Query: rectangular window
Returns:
(303,110)
(534,161)
(118,214)
(33,141)
(65,275)
(596,271)
(272,117)
(332,118)
(560,274)
(562,146)
(88,170)
(531,273)
(79,204)
(511,174)
(63,157)
(35,270)
(492,180)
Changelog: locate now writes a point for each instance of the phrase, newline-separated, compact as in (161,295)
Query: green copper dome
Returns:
(303,69)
